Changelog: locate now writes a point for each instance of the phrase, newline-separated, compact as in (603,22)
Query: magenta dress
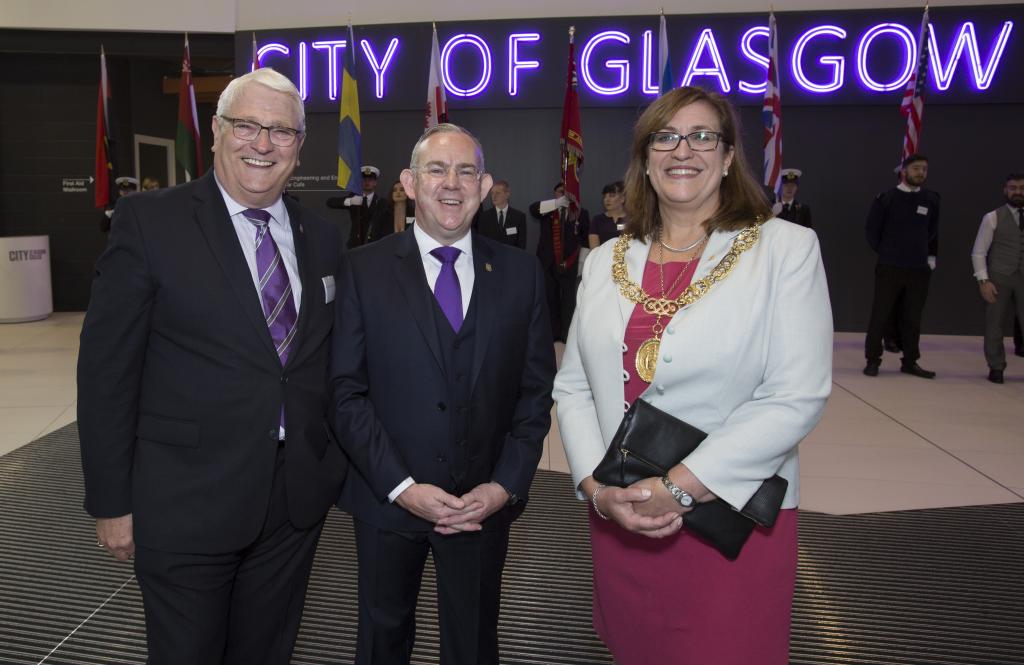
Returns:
(677,601)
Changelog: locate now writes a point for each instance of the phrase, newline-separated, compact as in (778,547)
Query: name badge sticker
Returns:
(922,210)
(511,231)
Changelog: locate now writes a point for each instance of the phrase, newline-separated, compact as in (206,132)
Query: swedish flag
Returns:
(349,156)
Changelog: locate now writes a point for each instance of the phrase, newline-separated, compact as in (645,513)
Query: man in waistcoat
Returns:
(441,371)
(903,229)
(998,258)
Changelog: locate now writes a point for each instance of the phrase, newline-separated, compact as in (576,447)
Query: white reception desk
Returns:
(26,293)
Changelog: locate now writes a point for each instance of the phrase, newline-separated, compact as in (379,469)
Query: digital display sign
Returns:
(850,57)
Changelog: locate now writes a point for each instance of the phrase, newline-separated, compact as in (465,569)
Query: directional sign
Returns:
(74,185)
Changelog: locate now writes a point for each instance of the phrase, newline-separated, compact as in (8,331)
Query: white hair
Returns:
(265,76)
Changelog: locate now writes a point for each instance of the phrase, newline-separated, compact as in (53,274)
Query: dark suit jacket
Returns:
(179,386)
(389,384)
(573,237)
(798,213)
(361,215)
(486,223)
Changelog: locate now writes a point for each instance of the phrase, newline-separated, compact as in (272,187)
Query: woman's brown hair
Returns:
(741,199)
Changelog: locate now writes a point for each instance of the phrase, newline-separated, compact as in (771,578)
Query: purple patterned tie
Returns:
(447,289)
(275,290)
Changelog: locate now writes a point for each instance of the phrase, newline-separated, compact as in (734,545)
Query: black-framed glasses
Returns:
(702,140)
(249,130)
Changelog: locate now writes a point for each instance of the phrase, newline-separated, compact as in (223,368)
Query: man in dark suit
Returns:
(442,366)
(787,207)
(502,222)
(558,248)
(201,391)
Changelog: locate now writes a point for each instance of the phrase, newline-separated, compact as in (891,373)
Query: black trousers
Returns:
(561,296)
(899,291)
(236,608)
(468,566)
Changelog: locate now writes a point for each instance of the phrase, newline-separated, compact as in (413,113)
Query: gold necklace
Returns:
(647,354)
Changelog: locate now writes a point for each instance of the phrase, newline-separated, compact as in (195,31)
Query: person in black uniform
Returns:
(903,229)
(361,207)
(787,207)
(558,248)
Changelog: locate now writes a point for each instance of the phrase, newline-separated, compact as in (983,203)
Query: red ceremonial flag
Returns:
(104,175)
(771,112)
(187,147)
(572,136)
(437,103)
(912,106)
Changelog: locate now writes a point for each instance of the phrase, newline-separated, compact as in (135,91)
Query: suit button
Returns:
(457,345)
(441,406)
(668,357)
(661,389)
(284,379)
(671,330)
(273,434)
(441,459)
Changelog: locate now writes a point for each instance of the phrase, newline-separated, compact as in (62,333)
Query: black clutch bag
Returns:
(649,442)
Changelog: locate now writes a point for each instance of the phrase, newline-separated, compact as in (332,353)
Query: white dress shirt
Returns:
(983,241)
(432,268)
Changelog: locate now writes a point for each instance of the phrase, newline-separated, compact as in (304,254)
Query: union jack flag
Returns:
(771,112)
(912,106)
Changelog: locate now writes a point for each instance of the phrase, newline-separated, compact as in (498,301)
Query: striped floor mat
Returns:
(929,587)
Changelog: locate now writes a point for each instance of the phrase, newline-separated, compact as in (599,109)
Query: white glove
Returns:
(354,201)
(553,204)
(931,262)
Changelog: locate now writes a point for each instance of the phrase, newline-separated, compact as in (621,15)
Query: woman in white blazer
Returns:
(747,358)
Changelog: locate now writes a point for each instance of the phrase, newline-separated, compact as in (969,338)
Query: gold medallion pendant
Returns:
(647,359)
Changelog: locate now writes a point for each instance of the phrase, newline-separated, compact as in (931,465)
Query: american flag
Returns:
(771,112)
(912,106)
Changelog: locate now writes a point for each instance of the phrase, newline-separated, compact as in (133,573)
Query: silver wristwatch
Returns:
(682,497)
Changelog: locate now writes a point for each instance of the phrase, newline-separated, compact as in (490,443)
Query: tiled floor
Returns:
(894,442)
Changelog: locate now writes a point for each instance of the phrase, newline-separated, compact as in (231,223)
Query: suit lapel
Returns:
(306,274)
(487,281)
(212,216)
(412,283)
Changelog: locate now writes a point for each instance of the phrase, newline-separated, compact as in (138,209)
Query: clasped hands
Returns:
(646,507)
(453,514)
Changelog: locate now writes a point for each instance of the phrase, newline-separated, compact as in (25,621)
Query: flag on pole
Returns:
(349,136)
(187,146)
(255,64)
(771,112)
(104,174)
(664,64)
(912,106)
(437,102)
(572,138)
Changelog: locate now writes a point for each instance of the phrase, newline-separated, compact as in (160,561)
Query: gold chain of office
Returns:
(696,290)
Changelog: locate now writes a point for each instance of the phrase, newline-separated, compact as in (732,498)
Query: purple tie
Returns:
(275,290)
(447,289)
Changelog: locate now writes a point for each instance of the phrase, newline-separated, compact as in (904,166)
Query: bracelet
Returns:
(593,502)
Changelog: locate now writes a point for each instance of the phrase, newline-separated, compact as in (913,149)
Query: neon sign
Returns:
(850,60)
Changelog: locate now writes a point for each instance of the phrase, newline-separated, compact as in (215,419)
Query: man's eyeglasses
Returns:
(702,140)
(248,130)
(466,174)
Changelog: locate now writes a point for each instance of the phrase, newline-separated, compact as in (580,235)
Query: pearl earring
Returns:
(725,173)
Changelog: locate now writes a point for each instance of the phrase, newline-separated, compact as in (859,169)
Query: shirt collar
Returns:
(504,210)
(276,209)
(904,187)
(426,244)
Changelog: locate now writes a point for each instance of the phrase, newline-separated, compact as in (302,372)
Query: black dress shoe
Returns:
(871,369)
(891,347)
(917,370)
(995,375)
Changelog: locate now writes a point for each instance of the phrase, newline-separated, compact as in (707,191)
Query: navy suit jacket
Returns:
(390,388)
(180,388)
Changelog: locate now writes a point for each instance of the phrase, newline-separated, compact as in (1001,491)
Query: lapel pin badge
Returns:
(488,268)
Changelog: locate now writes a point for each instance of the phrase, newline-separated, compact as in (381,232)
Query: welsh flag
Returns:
(187,146)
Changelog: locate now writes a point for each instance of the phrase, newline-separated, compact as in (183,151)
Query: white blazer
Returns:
(750,363)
